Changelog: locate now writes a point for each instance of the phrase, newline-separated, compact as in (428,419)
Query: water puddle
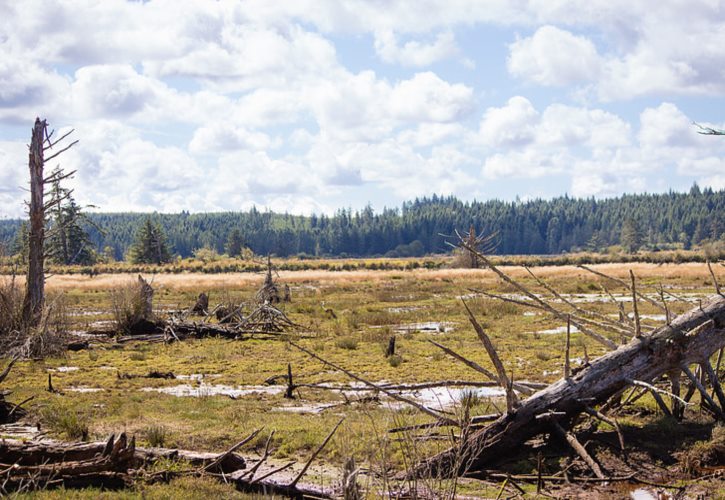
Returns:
(83,389)
(204,390)
(445,397)
(87,313)
(427,327)
(558,329)
(64,369)
(403,309)
(644,494)
(19,431)
(198,377)
(310,408)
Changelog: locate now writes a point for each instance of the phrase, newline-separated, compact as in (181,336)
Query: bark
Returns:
(112,464)
(35,285)
(202,305)
(690,338)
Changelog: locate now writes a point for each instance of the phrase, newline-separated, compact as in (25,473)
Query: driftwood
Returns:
(691,338)
(116,463)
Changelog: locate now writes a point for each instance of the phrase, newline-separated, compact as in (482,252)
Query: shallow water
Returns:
(83,389)
(203,390)
(64,369)
(430,326)
(444,397)
(643,494)
(558,329)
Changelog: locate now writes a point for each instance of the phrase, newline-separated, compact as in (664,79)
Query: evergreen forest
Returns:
(423,226)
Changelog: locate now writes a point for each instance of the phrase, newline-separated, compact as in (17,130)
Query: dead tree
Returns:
(146,296)
(40,142)
(269,293)
(201,306)
(691,338)
(485,244)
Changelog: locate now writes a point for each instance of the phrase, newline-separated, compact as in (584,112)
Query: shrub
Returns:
(129,305)
(67,421)
(156,435)
(346,343)
(395,360)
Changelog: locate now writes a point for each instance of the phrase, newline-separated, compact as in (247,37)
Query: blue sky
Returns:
(310,106)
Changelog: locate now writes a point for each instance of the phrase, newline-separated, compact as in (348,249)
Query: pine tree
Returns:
(235,243)
(150,246)
(67,240)
(631,236)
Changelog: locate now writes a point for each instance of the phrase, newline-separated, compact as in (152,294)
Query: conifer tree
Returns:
(631,236)
(150,246)
(235,243)
(67,240)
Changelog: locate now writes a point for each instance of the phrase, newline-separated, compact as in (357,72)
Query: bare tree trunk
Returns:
(35,283)
(690,339)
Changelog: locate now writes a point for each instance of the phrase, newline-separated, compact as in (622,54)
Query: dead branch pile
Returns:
(133,308)
(667,351)
(118,463)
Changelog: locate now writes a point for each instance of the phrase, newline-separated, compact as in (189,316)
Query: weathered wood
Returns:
(34,299)
(202,304)
(624,284)
(49,451)
(578,448)
(637,326)
(289,393)
(110,464)
(390,351)
(512,401)
(667,348)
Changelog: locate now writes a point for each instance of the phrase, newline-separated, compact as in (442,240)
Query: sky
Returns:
(315,105)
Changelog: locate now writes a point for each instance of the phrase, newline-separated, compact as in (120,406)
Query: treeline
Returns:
(564,224)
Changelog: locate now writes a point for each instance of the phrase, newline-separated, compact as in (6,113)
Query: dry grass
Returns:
(200,281)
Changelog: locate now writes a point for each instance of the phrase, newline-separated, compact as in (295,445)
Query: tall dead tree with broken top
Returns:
(41,141)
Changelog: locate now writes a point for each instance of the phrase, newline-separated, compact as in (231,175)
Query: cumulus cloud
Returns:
(167,94)
(552,56)
(225,137)
(414,52)
(510,125)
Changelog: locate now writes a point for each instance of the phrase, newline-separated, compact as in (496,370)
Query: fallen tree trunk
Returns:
(691,338)
(48,463)
(31,454)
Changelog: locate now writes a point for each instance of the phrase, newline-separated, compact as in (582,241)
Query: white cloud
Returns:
(225,137)
(510,125)
(554,57)
(168,94)
(426,97)
(415,53)
(115,91)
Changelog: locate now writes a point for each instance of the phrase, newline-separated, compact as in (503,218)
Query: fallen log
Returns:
(691,338)
(116,463)
(31,454)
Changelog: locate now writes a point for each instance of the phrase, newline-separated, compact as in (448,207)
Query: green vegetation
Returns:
(67,240)
(150,245)
(368,308)
(675,221)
